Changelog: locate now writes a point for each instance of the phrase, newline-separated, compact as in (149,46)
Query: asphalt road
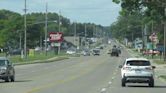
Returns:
(89,74)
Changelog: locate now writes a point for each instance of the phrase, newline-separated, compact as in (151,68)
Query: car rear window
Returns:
(2,62)
(138,63)
(96,51)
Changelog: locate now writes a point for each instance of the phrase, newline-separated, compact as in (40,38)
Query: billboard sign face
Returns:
(153,37)
(55,36)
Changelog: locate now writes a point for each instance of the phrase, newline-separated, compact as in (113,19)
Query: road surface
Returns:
(85,74)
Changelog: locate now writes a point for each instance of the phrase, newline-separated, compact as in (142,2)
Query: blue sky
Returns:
(102,12)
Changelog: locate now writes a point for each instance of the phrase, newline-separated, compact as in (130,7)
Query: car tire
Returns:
(151,83)
(123,82)
(12,78)
(7,79)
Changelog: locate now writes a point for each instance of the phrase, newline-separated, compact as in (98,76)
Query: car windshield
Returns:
(2,62)
(138,63)
(96,51)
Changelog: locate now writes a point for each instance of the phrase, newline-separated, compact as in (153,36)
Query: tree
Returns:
(151,11)
(12,27)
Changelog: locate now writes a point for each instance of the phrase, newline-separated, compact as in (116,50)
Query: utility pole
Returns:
(94,30)
(145,35)
(20,41)
(25,31)
(40,40)
(59,26)
(165,36)
(46,24)
(143,40)
(85,34)
(85,31)
(59,22)
(152,40)
(75,32)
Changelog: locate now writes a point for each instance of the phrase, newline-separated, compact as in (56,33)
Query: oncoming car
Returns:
(137,70)
(96,52)
(7,71)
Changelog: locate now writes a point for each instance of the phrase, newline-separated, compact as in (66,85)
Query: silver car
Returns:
(137,70)
(7,71)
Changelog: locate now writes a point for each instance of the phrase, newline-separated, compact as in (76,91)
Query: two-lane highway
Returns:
(85,74)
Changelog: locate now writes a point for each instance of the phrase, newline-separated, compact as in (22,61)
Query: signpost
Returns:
(154,39)
(56,38)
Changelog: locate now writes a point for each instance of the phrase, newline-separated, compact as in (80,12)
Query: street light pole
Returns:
(46,23)
(25,32)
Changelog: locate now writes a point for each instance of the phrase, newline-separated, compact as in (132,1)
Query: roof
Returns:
(129,59)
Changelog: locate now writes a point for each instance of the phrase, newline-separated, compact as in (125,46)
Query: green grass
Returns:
(163,77)
(160,62)
(38,56)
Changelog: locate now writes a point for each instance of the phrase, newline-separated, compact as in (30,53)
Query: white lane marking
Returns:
(113,78)
(103,90)
(110,83)
(32,71)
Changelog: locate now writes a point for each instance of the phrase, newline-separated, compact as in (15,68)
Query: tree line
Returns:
(138,15)
(12,28)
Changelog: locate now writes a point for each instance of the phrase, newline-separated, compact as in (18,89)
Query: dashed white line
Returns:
(113,78)
(103,90)
(110,83)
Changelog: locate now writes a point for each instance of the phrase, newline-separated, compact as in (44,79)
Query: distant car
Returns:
(15,52)
(137,70)
(71,52)
(86,53)
(96,52)
(7,71)
(102,46)
(98,48)
(38,49)
(114,51)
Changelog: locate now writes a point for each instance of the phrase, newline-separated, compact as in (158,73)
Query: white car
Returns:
(137,70)
(70,52)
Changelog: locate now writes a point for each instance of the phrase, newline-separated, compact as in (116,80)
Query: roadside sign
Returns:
(56,44)
(31,52)
(153,37)
(55,36)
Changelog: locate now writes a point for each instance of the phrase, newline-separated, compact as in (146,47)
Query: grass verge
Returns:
(37,58)
(163,77)
(159,62)
(43,61)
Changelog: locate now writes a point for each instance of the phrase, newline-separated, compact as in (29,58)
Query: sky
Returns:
(103,12)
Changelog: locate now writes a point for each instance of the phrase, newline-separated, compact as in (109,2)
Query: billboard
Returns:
(55,36)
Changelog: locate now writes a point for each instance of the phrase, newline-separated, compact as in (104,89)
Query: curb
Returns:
(42,61)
